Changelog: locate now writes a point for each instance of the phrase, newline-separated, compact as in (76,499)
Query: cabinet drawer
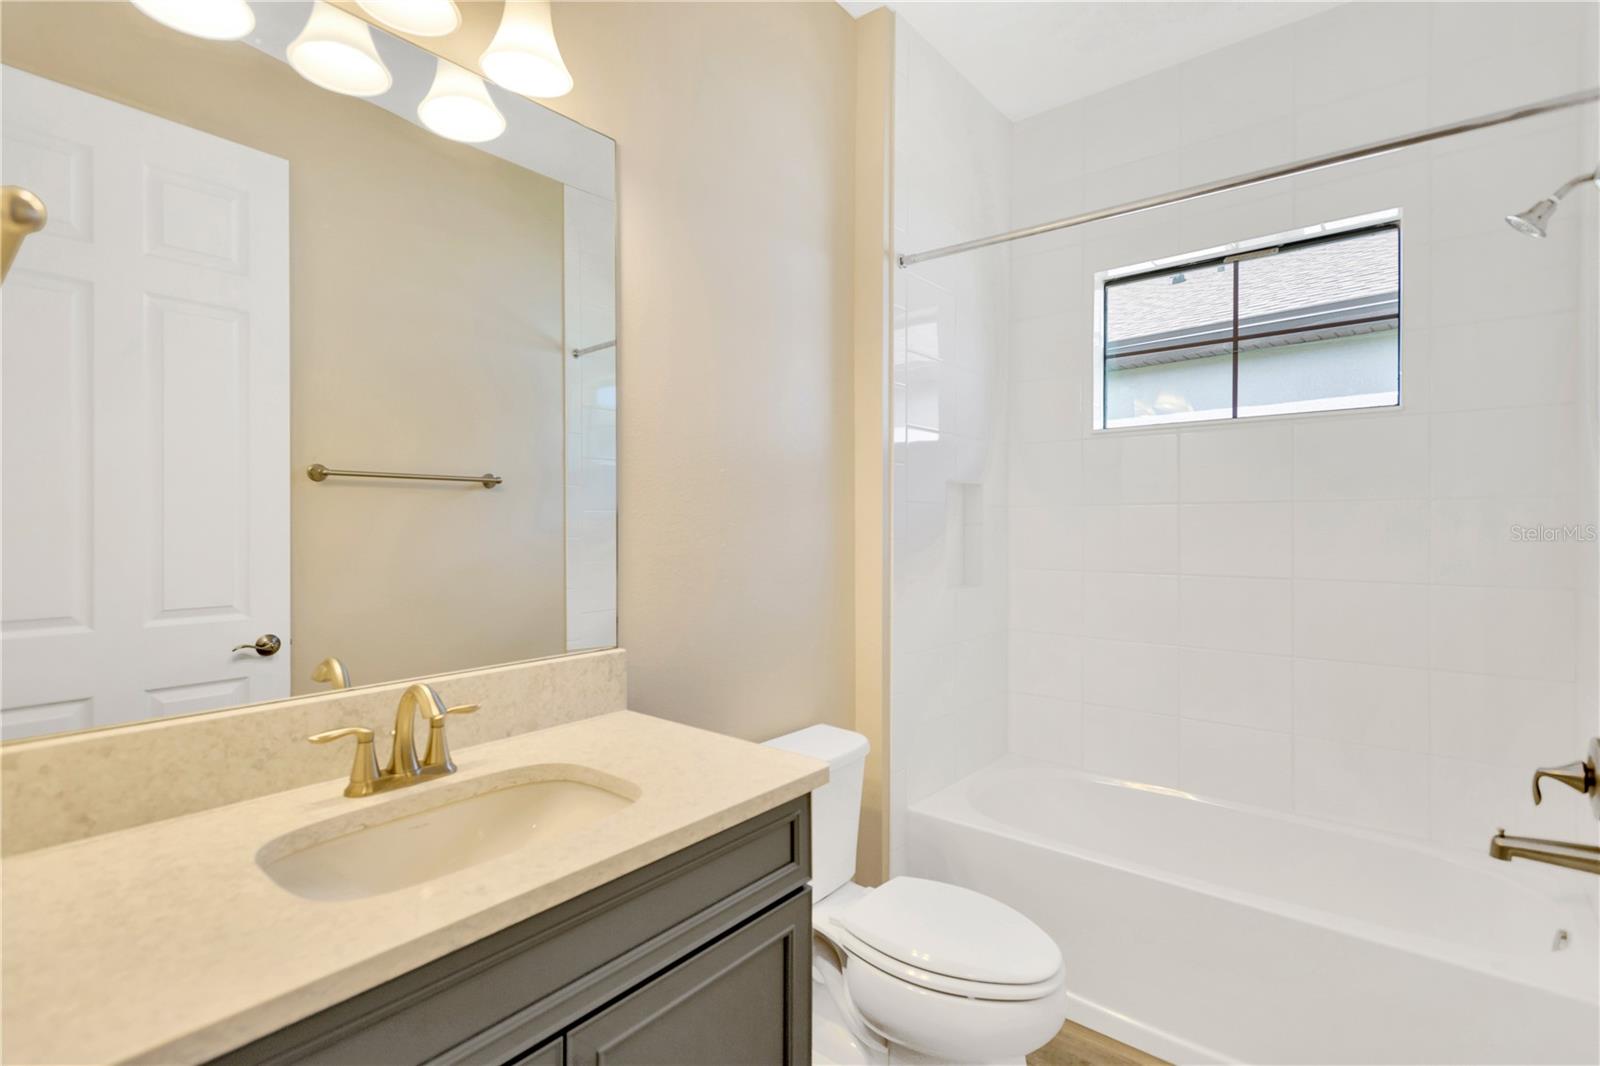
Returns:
(743,1001)
(508,993)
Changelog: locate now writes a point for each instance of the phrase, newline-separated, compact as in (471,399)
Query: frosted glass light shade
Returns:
(421,18)
(523,56)
(458,106)
(335,51)
(215,20)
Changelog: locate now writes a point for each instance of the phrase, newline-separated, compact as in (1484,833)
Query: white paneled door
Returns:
(144,506)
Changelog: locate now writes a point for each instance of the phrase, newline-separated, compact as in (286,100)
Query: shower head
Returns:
(1536,219)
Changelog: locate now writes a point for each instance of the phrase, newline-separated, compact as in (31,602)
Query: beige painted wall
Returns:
(426,300)
(734,125)
(873,272)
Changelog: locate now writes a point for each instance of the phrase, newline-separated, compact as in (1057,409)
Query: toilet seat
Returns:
(951,1028)
(947,939)
(937,982)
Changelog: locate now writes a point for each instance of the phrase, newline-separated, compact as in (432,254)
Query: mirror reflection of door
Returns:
(168,383)
(145,381)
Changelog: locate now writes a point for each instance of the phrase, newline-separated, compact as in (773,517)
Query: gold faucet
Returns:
(1579,776)
(403,768)
(333,672)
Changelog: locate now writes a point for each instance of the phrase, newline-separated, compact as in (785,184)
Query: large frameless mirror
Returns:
(301,388)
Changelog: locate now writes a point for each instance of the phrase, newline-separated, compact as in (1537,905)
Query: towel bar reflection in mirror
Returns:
(318,472)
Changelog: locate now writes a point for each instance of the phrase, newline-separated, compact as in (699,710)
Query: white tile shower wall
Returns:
(591,385)
(1329,613)
(950,586)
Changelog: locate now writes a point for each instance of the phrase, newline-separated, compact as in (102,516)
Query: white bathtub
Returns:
(1212,932)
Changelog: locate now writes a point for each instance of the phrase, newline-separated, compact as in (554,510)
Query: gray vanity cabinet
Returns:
(734,1003)
(550,1053)
(702,957)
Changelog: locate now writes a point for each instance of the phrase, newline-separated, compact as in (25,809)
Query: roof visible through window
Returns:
(1290,298)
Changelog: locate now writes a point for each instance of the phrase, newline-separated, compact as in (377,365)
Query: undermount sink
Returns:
(367,854)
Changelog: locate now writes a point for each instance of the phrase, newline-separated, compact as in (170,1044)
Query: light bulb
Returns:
(335,51)
(523,56)
(421,18)
(215,20)
(458,106)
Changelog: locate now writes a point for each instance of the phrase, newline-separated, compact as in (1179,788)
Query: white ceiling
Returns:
(1030,57)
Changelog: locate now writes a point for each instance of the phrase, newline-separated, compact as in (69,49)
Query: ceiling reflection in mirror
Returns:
(301,389)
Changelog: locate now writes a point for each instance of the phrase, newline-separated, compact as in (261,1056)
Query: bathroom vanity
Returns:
(699,957)
(671,926)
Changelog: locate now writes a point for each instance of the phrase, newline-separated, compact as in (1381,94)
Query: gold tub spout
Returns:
(21,213)
(1585,857)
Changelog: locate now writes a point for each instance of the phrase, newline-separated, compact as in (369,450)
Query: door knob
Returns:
(266,644)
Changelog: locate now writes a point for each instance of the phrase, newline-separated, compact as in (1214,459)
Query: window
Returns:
(1290,325)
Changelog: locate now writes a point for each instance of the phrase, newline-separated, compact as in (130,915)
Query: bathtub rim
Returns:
(953,803)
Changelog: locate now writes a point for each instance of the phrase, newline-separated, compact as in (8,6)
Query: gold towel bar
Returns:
(318,472)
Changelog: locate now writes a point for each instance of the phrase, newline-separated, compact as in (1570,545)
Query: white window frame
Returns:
(1236,248)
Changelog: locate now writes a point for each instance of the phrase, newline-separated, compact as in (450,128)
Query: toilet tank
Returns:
(835,806)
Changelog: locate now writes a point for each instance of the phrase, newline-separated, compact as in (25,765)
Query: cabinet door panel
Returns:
(744,1001)
(549,1054)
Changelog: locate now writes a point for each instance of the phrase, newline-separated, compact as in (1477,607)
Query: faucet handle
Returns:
(1578,776)
(438,754)
(364,770)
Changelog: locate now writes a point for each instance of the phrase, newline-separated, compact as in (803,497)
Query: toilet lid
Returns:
(949,930)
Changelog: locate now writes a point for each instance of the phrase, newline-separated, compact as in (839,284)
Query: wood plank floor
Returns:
(1077,1046)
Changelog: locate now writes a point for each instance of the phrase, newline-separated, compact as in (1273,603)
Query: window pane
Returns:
(1320,326)
(1177,390)
(1360,370)
(1353,277)
(1169,347)
(1178,307)
(1317,329)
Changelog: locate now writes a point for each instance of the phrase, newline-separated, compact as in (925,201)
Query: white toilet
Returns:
(913,971)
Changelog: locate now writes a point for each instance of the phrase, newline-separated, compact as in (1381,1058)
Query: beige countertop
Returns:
(167,943)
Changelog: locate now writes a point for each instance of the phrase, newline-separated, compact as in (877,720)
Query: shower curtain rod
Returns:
(1195,192)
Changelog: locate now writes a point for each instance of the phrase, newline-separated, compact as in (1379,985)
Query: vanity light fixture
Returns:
(215,20)
(420,18)
(523,56)
(335,51)
(458,106)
